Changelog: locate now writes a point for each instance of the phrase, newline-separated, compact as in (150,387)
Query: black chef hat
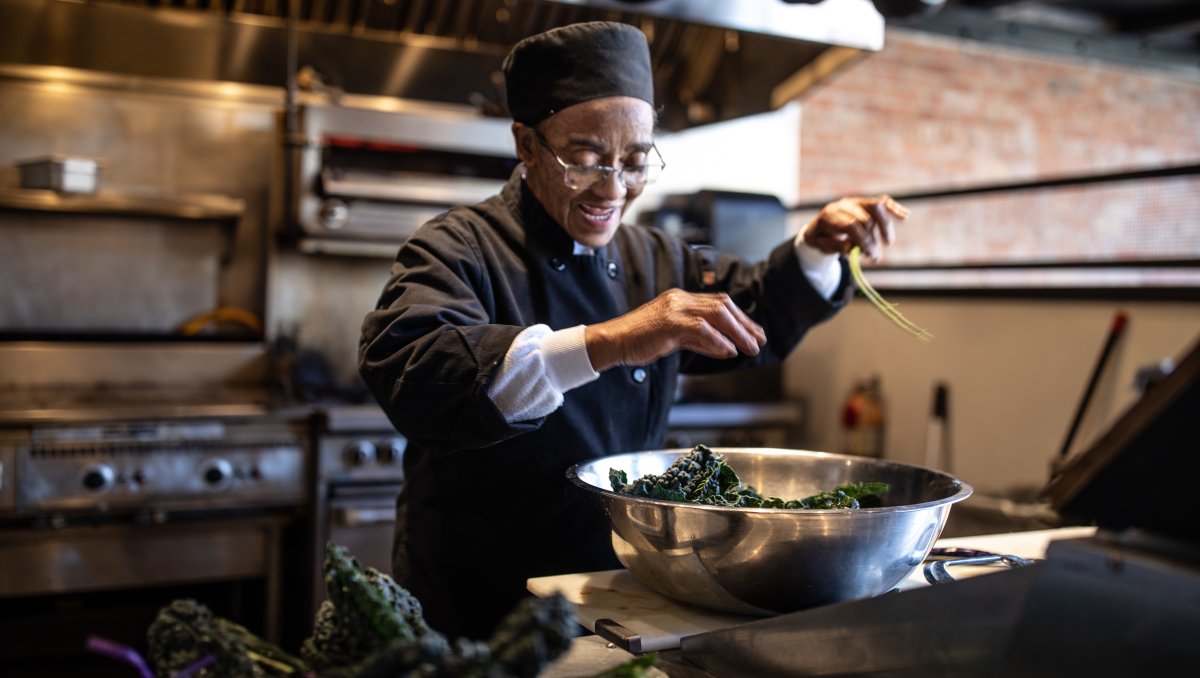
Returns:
(550,71)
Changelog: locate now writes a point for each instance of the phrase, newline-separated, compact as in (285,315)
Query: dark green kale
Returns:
(534,634)
(529,638)
(694,477)
(703,477)
(365,612)
(267,656)
(399,658)
(185,632)
(371,627)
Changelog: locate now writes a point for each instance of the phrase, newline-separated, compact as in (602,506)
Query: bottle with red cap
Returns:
(862,419)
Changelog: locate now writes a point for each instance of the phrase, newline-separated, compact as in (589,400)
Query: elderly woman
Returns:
(534,330)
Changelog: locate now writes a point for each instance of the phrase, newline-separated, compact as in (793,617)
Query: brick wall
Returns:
(931,112)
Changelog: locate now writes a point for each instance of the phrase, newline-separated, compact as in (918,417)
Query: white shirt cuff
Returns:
(822,270)
(566,358)
(537,369)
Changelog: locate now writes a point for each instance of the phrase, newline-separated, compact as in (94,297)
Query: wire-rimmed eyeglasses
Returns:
(585,176)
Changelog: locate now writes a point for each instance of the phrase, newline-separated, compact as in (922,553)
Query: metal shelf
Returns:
(189,208)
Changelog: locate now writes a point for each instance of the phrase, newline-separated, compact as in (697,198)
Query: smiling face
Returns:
(613,131)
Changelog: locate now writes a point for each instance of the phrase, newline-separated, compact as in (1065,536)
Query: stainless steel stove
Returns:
(134,474)
(187,465)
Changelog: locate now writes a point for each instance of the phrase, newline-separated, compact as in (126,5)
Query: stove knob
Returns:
(333,213)
(216,472)
(99,478)
(391,450)
(359,453)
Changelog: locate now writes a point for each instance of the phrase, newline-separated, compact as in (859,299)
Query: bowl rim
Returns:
(965,489)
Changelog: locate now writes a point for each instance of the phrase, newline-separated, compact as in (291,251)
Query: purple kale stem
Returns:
(121,653)
(197,667)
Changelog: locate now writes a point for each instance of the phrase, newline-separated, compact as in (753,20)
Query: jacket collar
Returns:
(538,223)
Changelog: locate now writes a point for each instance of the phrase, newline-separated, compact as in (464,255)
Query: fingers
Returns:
(868,222)
(757,334)
(723,329)
(885,211)
(707,324)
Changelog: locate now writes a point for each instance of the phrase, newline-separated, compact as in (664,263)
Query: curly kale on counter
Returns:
(373,628)
(366,610)
(370,627)
(702,477)
(186,632)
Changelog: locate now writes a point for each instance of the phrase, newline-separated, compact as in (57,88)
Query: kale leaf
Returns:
(703,477)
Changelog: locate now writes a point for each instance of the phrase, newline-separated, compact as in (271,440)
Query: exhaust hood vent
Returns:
(714,59)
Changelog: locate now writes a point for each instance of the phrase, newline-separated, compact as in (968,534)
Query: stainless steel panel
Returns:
(44,382)
(193,478)
(365,527)
(713,62)
(160,466)
(105,274)
(365,457)
(345,200)
(112,557)
(127,268)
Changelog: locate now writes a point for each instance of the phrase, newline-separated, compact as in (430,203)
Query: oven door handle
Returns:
(357,516)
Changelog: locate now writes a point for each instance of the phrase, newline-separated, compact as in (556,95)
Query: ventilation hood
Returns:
(714,59)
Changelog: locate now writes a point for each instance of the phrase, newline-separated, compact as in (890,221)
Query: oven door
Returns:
(362,518)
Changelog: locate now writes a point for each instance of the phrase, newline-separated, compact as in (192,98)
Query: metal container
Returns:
(766,561)
(65,174)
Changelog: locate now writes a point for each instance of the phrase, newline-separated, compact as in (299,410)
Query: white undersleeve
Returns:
(538,369)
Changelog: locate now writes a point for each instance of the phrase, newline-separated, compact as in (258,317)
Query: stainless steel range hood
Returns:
(714,59)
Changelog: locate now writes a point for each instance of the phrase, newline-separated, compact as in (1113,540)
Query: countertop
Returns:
(615,603)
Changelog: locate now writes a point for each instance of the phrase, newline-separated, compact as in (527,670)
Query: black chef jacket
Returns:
(486,504)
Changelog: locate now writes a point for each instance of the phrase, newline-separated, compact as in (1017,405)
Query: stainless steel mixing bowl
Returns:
(764,561)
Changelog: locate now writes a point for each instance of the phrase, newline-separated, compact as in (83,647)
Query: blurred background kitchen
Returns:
(199,200)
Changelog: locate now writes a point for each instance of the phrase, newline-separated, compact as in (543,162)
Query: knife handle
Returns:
(624,638)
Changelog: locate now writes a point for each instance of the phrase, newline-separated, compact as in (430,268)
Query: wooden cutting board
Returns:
(649,622)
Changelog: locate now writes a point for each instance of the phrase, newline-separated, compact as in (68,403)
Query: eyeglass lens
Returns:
(581,176)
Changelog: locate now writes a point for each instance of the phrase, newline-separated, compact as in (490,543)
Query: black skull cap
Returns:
(564,66)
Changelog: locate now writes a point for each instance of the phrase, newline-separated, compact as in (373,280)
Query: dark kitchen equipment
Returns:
(763,561)
(1103,606)
(1126,478)
(748,225)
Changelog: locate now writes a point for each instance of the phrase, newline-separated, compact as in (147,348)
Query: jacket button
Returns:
(612,269)
(639,374)
(557,264)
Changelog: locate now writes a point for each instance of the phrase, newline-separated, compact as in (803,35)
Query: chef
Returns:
(535,330)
